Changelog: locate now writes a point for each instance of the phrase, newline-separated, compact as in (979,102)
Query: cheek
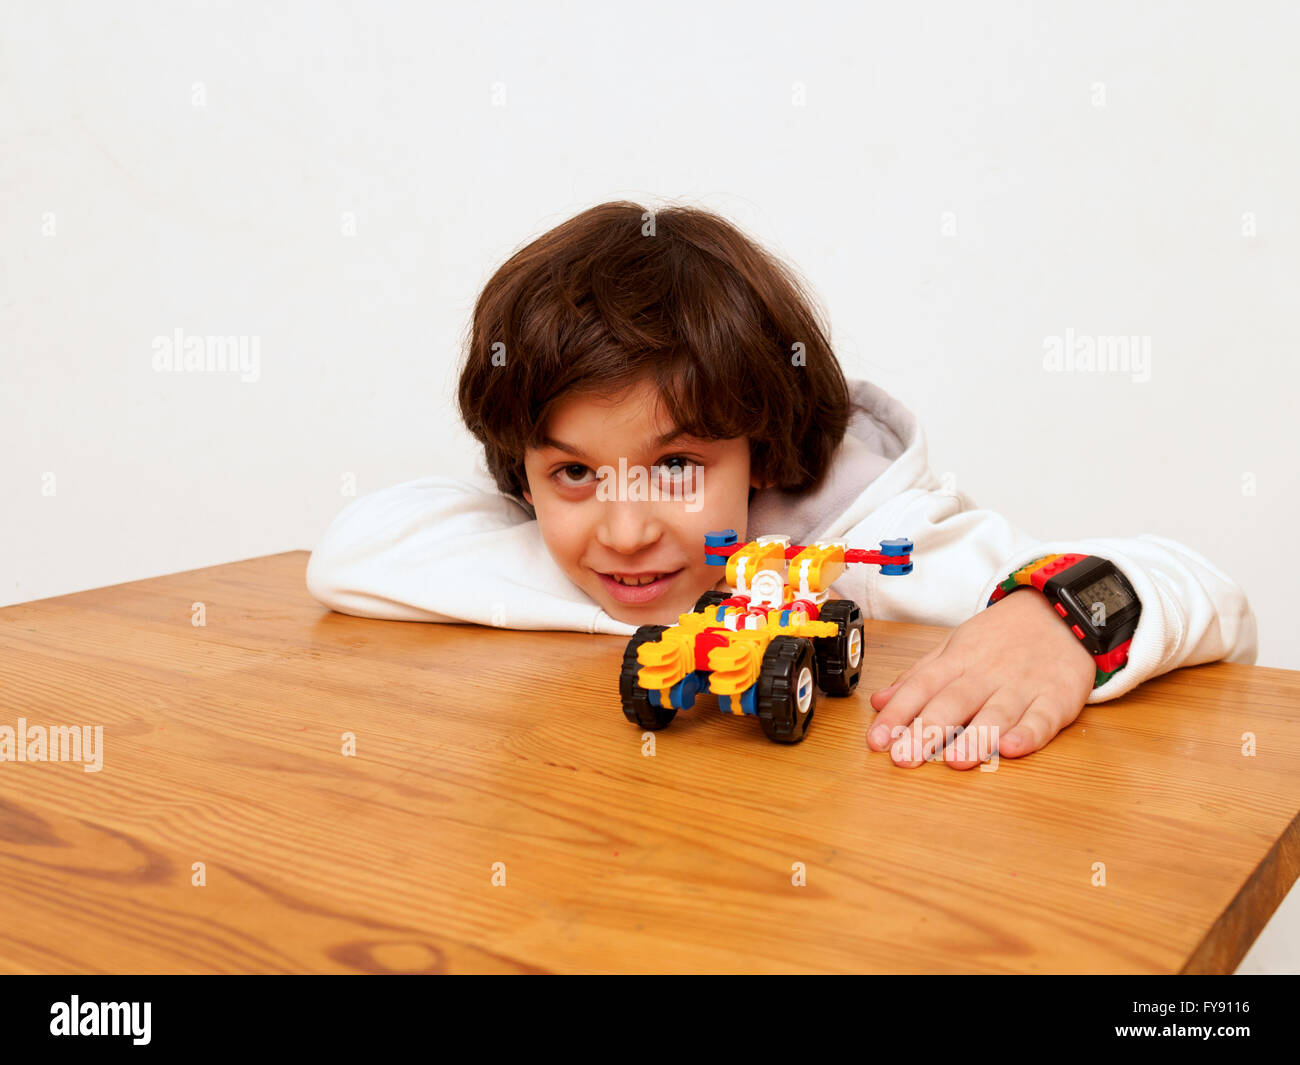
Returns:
(719,512)
(727,504)
(564,532)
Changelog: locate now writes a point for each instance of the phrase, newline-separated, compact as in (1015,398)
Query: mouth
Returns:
(628,587)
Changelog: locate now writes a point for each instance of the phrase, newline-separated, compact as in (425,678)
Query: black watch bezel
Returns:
(1118,627)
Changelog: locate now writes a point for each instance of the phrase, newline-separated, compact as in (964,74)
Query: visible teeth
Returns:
(636,582)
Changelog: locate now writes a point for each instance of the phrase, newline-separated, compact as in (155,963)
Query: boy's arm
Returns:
(1191,611)
(443,550)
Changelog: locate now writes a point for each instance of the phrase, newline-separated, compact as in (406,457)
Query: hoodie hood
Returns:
(883,453)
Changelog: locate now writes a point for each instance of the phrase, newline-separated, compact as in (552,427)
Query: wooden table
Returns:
(223,745)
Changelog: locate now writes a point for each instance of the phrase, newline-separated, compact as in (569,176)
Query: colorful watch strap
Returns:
(1036,574)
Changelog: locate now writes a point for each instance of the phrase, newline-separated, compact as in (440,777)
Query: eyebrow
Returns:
(650,445)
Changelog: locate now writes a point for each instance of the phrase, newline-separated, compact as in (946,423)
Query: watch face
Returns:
(1103,609)
(1104,598)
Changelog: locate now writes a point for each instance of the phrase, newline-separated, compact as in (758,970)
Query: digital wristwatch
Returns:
(1093,596)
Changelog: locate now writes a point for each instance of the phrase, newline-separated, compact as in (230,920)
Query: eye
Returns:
(571,475)
(676,470)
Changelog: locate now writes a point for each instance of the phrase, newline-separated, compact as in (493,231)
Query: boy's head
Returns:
(635,376)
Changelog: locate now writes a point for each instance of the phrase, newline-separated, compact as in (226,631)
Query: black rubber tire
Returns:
(836,672)
(709,599)
(778,696)
(636,700)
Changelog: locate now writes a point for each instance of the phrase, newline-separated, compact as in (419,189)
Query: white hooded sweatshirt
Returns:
(445,550)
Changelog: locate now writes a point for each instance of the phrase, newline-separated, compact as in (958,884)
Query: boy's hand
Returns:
(1014,665)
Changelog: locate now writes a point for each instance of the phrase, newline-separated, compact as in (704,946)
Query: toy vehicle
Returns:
(765,646)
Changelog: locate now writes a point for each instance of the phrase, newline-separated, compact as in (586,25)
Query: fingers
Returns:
(937,702)
(941,721)
(1038,727)
(1007,722)
(882,695)
(924,683)
(995,719)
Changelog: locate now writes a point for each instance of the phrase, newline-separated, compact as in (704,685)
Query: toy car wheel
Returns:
(709,599)
(636,700)
(787,689)
(839,658)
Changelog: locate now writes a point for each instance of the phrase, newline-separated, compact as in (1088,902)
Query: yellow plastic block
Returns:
(1025,573)
(736,665)
(666,661)
(826,564)
(811,629)
(761,556)
(693,623)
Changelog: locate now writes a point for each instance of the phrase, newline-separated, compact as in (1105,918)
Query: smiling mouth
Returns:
(636,580)
(628,587)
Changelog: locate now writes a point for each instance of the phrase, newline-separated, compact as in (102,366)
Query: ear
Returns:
(528,496)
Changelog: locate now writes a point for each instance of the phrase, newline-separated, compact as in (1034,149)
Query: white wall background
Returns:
(957,184)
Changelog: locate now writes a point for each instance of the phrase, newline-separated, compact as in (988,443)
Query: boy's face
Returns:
(614,495)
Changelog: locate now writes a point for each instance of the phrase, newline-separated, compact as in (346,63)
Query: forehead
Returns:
(634,415)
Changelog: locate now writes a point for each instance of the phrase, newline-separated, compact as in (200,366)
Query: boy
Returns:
(669,347)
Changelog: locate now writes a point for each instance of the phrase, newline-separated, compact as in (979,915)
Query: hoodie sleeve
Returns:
(1191,611)
(442,550)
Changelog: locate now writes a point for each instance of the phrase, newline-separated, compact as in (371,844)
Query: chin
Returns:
(651,614)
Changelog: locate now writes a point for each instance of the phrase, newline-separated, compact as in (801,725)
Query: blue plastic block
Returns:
(683,692)
(747,699)
(718,538)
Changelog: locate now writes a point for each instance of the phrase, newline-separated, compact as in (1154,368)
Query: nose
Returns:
(627,526)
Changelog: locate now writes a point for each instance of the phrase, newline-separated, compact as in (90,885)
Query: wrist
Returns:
(1091,596)
(1034,605)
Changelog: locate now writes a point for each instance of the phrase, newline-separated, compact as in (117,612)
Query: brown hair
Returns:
(677,295)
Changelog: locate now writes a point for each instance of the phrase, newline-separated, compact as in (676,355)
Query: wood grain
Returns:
(222,745)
